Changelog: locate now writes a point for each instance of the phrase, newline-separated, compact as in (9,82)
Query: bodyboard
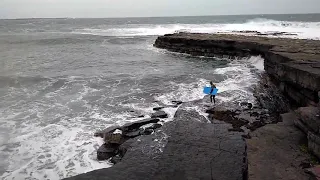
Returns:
(207,90)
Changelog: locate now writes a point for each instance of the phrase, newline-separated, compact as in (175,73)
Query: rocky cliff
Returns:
(293,63)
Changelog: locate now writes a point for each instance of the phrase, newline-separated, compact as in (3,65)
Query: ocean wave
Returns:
(299,29)
(288,24)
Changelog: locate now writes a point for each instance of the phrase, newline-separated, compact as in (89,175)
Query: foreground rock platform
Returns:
(274,151)
(293,63)
(180,150)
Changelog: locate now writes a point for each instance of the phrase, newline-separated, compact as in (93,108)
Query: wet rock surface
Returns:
(270,103)
(159,114)
(177,150)
(117,138)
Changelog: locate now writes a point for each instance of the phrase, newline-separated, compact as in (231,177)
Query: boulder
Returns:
(247,105)
(133,134)
(106,151)
(159,114)
(125,146)
(158,108)
(147,132)
(115,159)
(155,126)
(107,130)
(228,116)
(132,126)
(113,138)
(177,102)
(255,125)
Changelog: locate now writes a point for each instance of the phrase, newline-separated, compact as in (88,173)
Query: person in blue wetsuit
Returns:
(212,97)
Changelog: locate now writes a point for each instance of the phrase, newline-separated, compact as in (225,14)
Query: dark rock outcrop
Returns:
(159,114)
(292,63)
(133,126)
(158,108)
(116,138)
(106,151)
(181,149)
(107,130)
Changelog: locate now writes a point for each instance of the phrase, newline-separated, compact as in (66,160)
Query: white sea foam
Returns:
(240,76)
(184,92)
(302,29)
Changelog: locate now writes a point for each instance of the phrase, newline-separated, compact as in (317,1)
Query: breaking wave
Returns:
(296,29)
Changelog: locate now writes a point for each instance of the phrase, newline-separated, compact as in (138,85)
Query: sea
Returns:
(61,80)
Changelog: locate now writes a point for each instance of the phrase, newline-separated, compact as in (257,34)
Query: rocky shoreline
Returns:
(237,141)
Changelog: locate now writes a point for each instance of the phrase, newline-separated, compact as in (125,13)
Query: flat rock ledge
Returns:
(293,63)
(181,149)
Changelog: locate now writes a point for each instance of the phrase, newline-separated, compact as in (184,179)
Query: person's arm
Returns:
(212,88)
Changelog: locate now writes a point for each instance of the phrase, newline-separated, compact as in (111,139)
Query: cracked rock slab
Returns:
(180,150)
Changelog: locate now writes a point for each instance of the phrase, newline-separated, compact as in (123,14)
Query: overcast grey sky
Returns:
(139,8)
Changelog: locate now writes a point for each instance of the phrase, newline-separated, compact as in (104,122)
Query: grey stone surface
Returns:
(274,151)
(132,126)
(106,151)
(181,149)
(113,138)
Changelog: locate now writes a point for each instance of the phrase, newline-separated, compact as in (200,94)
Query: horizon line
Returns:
(152,16)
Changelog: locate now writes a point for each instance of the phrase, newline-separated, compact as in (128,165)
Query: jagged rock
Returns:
(228,116)
(156,126)
(125,146)
(106,151)
(247,104)
(159,114)
(255,125)
(132,126)
(147,131)
(182,149)
(107,130)
(158,108)
(172,106)
(115,159)
(133,134)
(113,138)
(177,102)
